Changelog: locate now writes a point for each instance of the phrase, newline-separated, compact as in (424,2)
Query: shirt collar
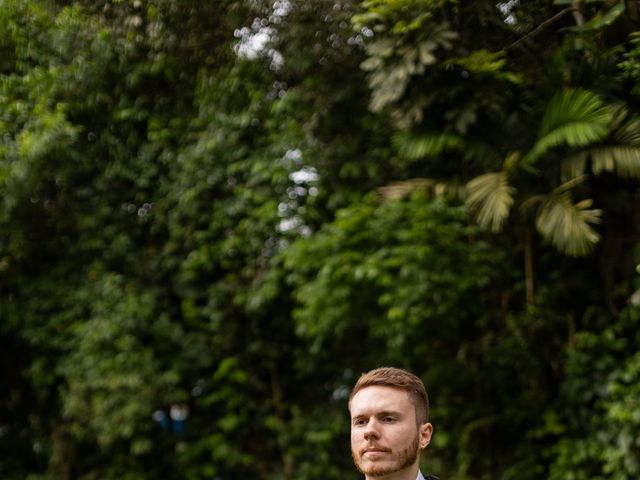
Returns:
(419,477)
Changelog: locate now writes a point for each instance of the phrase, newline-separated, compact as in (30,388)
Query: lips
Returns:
(374,450)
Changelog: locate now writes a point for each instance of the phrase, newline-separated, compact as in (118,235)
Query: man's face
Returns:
(385,437)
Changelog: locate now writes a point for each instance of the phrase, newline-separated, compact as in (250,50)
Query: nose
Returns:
(371,431)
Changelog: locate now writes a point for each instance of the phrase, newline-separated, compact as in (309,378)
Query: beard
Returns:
(399,461)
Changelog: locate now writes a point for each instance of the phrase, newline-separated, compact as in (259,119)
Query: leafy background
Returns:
(236,207)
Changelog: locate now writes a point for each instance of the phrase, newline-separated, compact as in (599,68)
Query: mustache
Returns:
(374,447)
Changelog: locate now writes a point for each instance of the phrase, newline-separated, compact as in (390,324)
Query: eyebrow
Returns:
(383,413)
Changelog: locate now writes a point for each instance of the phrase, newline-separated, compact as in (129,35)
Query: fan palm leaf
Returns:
(489,199)
(625,160)
(402,189)
(567,225)
(621,154)
(626,150)
(416,147)
(573,117)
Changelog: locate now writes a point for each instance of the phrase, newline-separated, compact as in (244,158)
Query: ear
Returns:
(426,430)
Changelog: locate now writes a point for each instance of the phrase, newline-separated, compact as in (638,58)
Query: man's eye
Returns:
(388,419)
(359,422)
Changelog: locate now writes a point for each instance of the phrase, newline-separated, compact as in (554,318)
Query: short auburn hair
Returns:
(401,379)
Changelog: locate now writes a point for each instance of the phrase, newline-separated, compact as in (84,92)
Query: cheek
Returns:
(357,438)
(403,435)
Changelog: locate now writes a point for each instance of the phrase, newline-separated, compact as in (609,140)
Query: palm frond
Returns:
(480,150)
(575,107)
(629,132)
(574,166)
(567,225)
(626,149)
(416,147)
(573,117)
(489,199)
(402,189)
(621,153)
(625,160)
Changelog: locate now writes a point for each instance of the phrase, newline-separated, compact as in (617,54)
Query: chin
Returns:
(378,469)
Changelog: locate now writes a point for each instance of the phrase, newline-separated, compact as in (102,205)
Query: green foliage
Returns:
(603,19)
(597,440)
(238,206)
(394,252)
(484,62)
(573,119)
(398,17)
(393,65)
(412,46)
(630,66)
(114,381)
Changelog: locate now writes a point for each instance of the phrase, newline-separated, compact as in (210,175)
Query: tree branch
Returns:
(542,26)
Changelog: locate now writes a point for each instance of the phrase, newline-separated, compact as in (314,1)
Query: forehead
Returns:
(376,398)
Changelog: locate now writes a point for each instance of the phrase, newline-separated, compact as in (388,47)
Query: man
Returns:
(389,410)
